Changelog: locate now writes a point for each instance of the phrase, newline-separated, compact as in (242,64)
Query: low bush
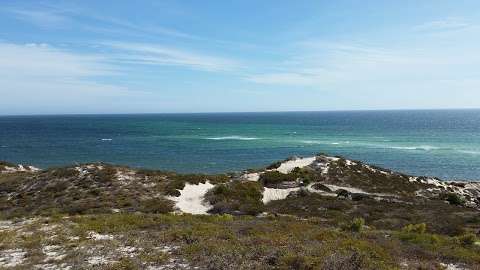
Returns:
(7,164)
(64,172)
(415,228)
(352,260)
(274,165)
(295,261)
(106,174)
(356,225)
(424,240)
(467,239)
(156,206)
(454,199)
(236,198)
(275,178)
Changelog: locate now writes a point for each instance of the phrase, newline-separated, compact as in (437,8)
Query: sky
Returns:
(69,57)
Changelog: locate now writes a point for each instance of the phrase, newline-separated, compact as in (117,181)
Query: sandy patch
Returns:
(334,188)
(191,199)
(274,194)
(12,257)
(98,237)
(251,177)
(288,166)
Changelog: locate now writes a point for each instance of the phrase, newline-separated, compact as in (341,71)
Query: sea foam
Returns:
(237,138)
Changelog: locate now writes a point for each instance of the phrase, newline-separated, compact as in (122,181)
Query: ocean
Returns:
(440,143)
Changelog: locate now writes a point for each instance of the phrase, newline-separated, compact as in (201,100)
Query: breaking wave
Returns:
(234,138)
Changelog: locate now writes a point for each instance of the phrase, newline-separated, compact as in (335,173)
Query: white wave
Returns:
(106,139)
(420,147)
(469,152)
(312,142)
(237,138)
(322,142)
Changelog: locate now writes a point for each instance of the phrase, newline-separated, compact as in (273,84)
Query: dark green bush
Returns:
(274,178)
(4,164)
(468,239)
(415,228)
(356,225)
(274,165)
(64,172)
(236,198)
(106,174)
(296,262)
(454,199)
(156,206)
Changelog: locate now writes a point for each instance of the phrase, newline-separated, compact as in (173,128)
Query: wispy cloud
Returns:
(42,60)
(43,18)
(40,71)
(56,16)
(347,66)
(446,24)
(287,78)
(154,54)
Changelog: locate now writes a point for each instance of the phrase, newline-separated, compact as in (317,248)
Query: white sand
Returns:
(349,189)
(53,253)
(98,260)
(251,177)
(452,266)
(20,168)
(274,194)
(12,257)
(288,166)
(98,237)
(191,199)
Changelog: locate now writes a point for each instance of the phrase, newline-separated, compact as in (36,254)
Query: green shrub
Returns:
(64,172)
(306,175)
(454,199)
(106,174)
(7,164)
(56,187)
(123,264)
(468,239)
(356,225)
(415,228)
(156,206)
(275,178)
(274,165)
(425,240)
(172,188)
(295,262)
(345,260)
(236,198)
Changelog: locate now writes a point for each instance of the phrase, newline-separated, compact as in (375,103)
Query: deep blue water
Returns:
(442,143)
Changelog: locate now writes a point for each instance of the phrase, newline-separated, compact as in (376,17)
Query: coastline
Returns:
(99,215)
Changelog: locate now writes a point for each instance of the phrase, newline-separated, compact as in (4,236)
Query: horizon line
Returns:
(239,112)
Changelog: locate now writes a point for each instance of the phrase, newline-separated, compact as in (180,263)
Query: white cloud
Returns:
(42,18)
(282,78)
(38,75)
(153,54)
(418,63)
(442,25)
(57,16)
(42,61)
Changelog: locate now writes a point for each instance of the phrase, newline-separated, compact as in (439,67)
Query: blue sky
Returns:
(217,56)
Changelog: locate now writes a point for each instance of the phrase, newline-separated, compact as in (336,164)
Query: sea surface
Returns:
(441,143)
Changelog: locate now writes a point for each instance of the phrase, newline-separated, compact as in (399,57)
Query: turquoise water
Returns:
(443,143)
